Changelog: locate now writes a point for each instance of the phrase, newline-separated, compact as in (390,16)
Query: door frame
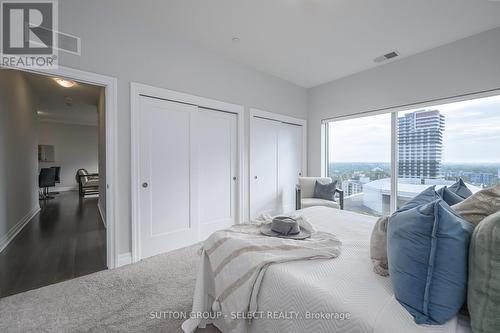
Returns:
(110,85)
(274,117)
(136,91)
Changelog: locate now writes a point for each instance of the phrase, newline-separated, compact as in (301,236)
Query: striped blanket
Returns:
(237,259)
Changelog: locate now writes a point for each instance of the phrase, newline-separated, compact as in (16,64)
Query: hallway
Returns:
(65,240)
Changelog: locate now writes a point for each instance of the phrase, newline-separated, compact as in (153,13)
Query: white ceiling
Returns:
(310,42)
(53,105)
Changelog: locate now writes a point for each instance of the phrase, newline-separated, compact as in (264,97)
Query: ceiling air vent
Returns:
(387,56)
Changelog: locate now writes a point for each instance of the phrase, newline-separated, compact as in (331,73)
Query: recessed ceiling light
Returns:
(65,83)
(236,39)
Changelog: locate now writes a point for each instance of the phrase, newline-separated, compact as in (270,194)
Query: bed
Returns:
(339,295)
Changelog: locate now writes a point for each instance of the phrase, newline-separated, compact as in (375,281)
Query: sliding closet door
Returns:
(289,165)
(165,193)
(264,167)
(216,143)
(275,166)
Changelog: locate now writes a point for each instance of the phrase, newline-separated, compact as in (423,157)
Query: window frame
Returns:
(394,111)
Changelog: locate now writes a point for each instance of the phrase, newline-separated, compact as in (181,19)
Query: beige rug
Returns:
(142,297)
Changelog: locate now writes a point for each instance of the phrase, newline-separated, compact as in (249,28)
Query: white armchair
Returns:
(305,193)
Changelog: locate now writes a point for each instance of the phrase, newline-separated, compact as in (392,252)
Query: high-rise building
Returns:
(420,141)
(352,187)
(479,177)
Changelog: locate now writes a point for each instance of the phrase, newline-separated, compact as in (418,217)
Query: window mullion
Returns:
(394,161)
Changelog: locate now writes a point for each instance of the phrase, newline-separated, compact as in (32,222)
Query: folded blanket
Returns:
(238,259)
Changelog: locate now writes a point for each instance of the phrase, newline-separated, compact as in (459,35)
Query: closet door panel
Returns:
(264,167)
(165,192)
(289,165)
(215,137)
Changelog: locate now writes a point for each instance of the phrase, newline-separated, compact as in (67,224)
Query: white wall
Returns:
(54,107)
(18,152)
(75,147)
(131,49)
(466,66)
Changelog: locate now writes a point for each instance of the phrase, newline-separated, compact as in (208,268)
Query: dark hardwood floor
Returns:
(65,240)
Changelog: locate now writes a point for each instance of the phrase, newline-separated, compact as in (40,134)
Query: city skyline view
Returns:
(436,145)
(472,130)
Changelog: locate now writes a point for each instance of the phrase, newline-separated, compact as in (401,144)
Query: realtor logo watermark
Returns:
(29,34)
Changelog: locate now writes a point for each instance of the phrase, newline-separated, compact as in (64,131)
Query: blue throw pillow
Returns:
(426,196)
(428,257)
(325,191)
(448,196)
(459,188)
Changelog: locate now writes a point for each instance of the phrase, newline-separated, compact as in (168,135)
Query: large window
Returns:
(359,158)
(440,144)
(433,146)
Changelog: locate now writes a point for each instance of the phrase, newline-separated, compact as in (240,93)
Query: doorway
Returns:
(69,125)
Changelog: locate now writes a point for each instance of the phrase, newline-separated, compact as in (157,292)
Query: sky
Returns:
(472,134)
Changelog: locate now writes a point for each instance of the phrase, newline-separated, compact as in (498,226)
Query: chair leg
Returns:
(298,195)
(47,196)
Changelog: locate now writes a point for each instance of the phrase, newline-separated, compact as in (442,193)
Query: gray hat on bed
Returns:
(285,227)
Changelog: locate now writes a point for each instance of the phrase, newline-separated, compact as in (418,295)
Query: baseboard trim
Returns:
(100,213)
(124,259)
(12,233)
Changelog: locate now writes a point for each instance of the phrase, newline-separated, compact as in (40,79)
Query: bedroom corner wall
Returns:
(120,43)
(465,66)
(18,155)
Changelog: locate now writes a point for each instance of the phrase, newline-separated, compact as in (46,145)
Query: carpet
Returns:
(142,297)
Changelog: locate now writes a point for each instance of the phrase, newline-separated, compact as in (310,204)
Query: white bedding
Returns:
(344,286)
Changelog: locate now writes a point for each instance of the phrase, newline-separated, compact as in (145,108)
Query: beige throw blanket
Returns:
(239,257)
